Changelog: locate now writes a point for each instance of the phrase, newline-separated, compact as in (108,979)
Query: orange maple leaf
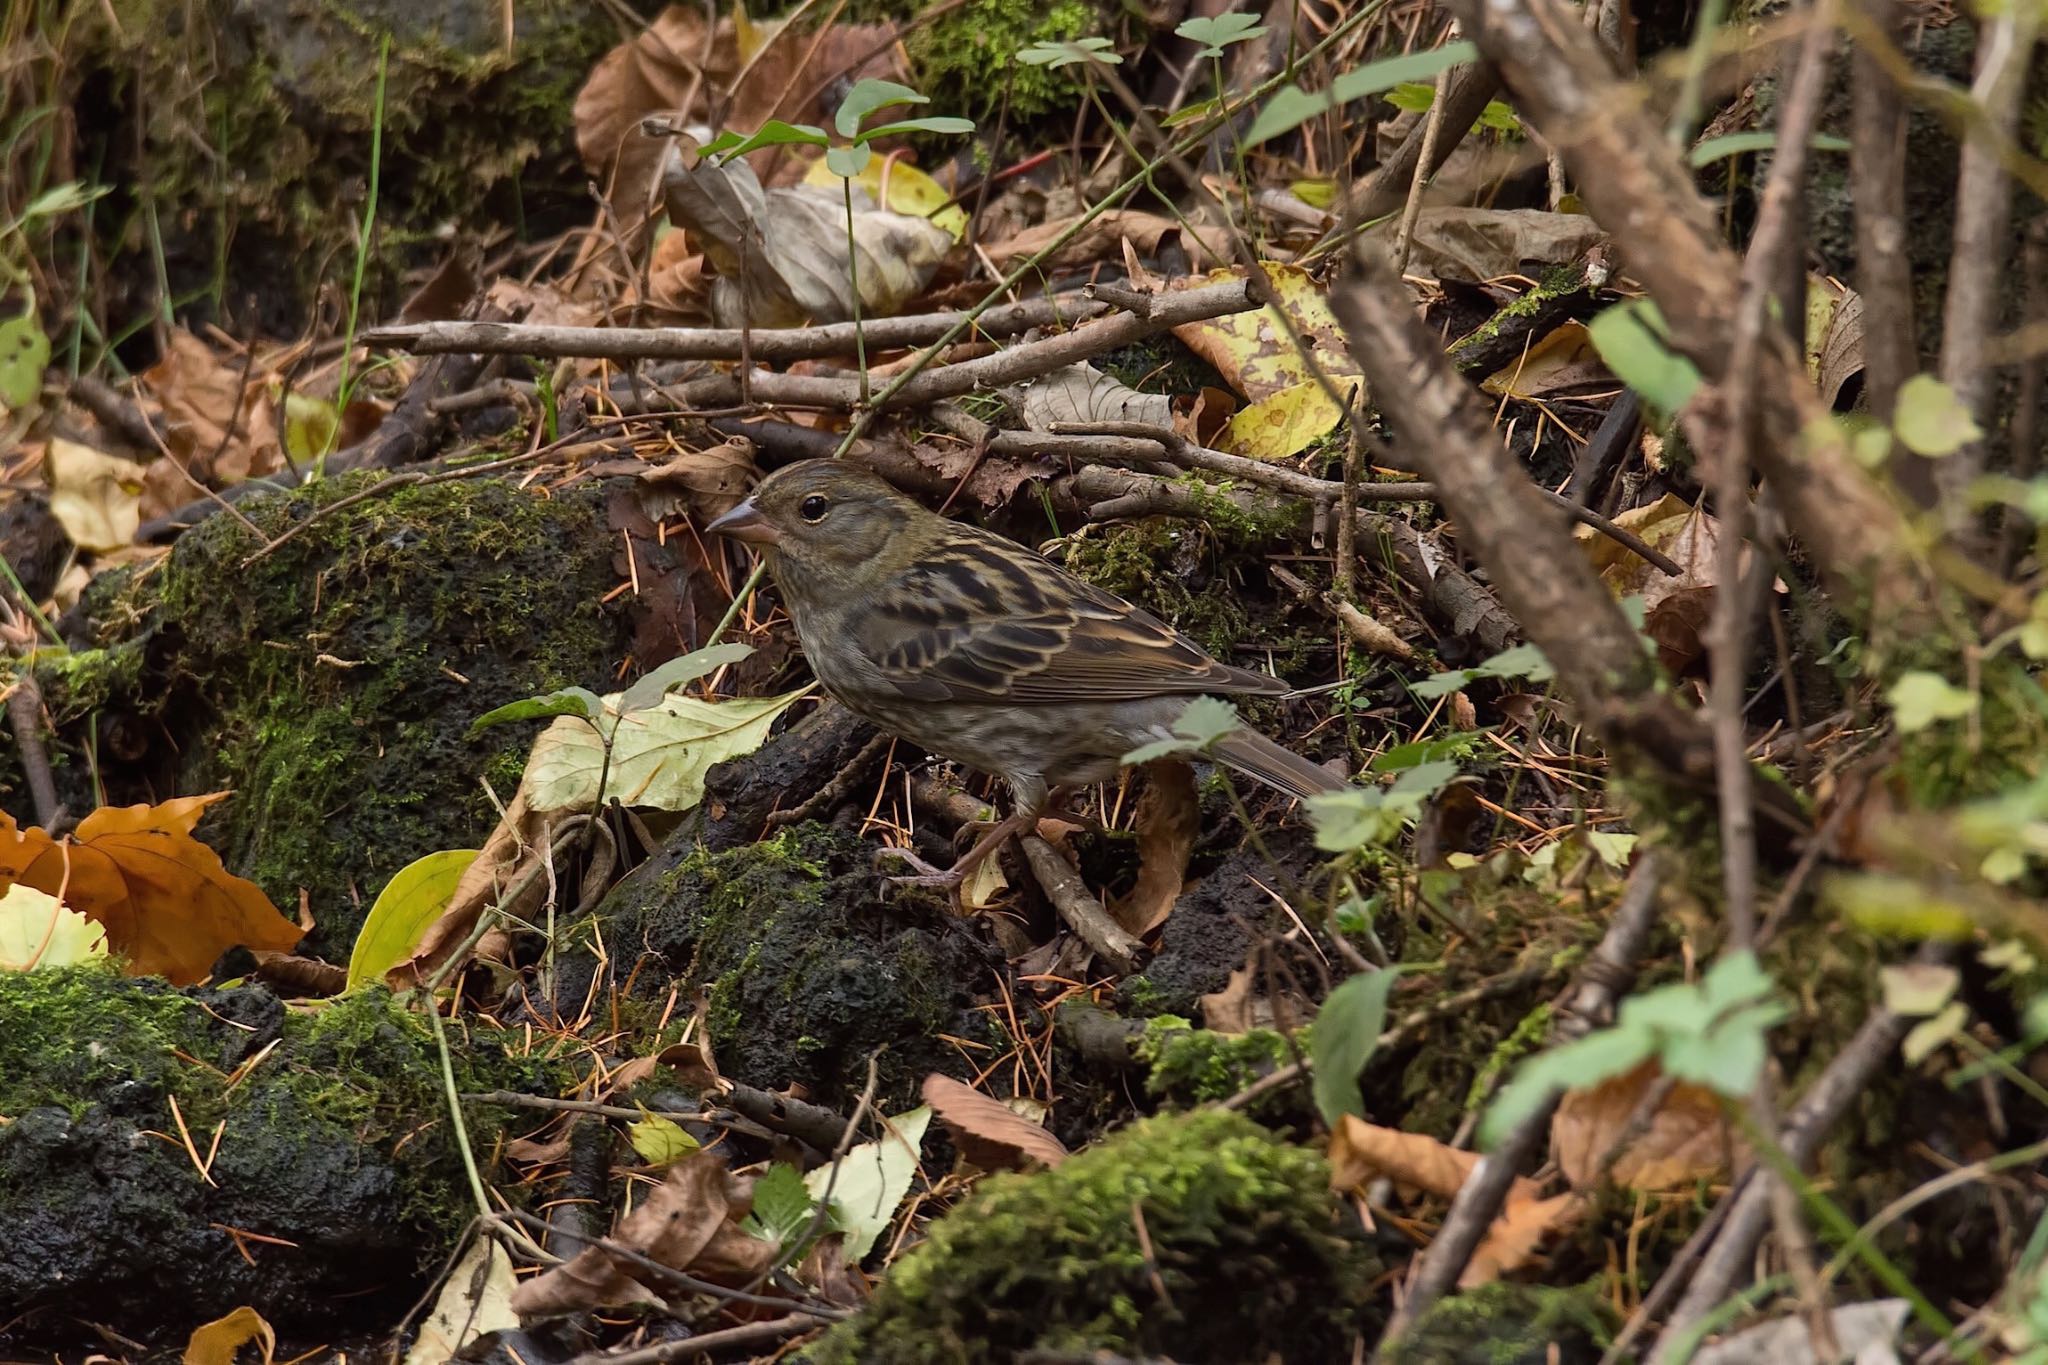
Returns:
(167,904)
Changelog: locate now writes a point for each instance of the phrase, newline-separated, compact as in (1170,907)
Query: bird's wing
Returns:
(981,618)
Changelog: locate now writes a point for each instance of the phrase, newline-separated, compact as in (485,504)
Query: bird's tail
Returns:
(1251,753)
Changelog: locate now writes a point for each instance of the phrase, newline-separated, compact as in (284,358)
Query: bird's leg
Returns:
(924,874)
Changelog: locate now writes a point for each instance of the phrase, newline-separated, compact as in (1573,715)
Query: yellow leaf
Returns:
(1252,350)
(96,498)
(37,931)
(410,902)
(216,1342)
(911,191)
(660,1141)
(1284,424)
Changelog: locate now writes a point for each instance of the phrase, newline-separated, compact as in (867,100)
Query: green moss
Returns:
(1194,1066)
(331,683)
(327,1129)
(808,976)
(1163,566)
(1508,1324)
(1239,1231)
(966,59)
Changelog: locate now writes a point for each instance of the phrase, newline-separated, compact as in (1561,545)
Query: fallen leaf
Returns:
(1678,624)
(689,1222)
(1564,358)
(1361,1152)
(475,1299)
(1688,534)
(873,1178)
(518,842)
(1476,244)
(220,423)
(1102,238)
(1230,1009)
(660,1141)
(97,498)
(782,254)
(1255,354)
(1867,1333)
(24,353)
(1082,393)
(37,930)
(988,1132)
(1687,1139)
(991,480)
(1169,815)
(659,756)
(691,1061)
(167,905)
(217,1342)
(899,187)
(537,1151)
(416,896)
(706,483)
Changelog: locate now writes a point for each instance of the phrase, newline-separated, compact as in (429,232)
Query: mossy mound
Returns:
(1508,1324)
(967,60)
(331,684)
(810,973)
(1240,1232)
(334,1190)
(260,115)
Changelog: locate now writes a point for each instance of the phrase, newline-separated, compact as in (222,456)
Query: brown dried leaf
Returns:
(991,480)
(1678,623)
(1565,358)
(1688,1137)
(515,843)
(1102,238)
(1082,393)
(689,1222)
(538,1152)
(706,483)
(219,420)
(988,1132)
(1230,1009)
(1361,1152)
(671,68)
(167,904)
(1480,244)
(1169,816)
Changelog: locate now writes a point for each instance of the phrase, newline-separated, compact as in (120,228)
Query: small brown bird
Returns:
(976,649)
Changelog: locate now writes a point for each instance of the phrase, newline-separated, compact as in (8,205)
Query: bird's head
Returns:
(824,519)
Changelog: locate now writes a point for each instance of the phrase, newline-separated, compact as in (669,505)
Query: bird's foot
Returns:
(921,873)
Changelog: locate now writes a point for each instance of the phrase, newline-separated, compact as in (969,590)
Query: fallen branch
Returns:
(1078,906)
(770,344)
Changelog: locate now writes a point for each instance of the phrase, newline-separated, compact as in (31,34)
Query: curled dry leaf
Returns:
(514,847)
(781,254)
(1687,1138)
(1169,816)
(167,904)
(988,1132)
(689,1222)
(1103,239)
(1361,1152)
(220,423)
(705,483)
(1454,242)
(1082,393)
(991,480)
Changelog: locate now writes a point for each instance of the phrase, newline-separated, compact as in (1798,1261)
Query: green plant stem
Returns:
(1142,176)
(1843,1231)
(355,292)
(29,603)
(860,345)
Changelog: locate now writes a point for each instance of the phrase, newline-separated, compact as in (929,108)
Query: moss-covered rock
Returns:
(331,683)
(333,1189)
(1192,1066)
(1240,1233)
(1508,1324)
(810,974)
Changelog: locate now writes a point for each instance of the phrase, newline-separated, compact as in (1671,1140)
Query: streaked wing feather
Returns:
(983,619)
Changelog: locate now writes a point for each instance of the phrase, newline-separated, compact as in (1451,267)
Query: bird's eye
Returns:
(814,508)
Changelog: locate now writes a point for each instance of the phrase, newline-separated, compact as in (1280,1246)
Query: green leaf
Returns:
(1587,1062)
(872,1180)
(773,133)
(1059,54)
(866,97)
(848,162)
(1735,144)
(1929,1034)
(1453,747)
(1930,420)
(1201,723)
(1500,118)
(1898,907)
(1920,698)
(1289,108)
(1221,32)
(936,123)
(783,1207)
(1347,1032)
(1413,97)
(407,906)
(1356,818)
(660,1141)
(58,199)
(1735,979)
(659,755)
(570,701)
(38,931)
(657,683)
(24,351)
(1424,780)
(1631,339)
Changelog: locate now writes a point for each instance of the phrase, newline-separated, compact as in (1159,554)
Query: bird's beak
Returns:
(745,522)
